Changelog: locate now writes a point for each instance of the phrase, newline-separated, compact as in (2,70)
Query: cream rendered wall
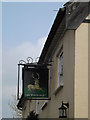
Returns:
(89,70)
(81,72)
(75,89)
(66,93)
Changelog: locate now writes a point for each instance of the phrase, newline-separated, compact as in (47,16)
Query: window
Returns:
(60,69)
(31,106)
(25,112)
(37,106)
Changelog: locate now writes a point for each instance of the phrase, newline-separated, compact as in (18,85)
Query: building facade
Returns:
(67,50)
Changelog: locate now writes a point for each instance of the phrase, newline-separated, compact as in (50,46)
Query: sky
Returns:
(25,27)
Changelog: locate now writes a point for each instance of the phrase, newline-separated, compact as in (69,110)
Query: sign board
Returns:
(35,83)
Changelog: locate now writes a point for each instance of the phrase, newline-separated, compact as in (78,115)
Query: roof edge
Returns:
(55,26)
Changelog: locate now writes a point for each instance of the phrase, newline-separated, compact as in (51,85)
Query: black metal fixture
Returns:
(63,110)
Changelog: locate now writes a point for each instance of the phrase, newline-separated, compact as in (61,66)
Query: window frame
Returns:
(59,69)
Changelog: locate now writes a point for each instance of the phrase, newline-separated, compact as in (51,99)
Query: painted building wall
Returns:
(89,69)
(66,93)
(75,78)
(81,72)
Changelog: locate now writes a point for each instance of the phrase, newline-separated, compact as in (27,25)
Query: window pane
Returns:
(60,69)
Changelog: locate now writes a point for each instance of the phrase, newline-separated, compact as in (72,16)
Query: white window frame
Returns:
(31,106)
(37,106)
(60,69)
(25,112)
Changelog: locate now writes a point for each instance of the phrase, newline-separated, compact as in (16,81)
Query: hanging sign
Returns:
(35,83)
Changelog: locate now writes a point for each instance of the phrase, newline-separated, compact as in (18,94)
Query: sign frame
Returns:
(33,66)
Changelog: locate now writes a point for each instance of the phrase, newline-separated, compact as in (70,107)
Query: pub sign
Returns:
(35,82)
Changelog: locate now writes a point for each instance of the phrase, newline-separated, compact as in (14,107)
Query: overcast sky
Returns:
(25,27)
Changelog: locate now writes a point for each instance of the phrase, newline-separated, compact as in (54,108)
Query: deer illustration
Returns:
(36,78)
